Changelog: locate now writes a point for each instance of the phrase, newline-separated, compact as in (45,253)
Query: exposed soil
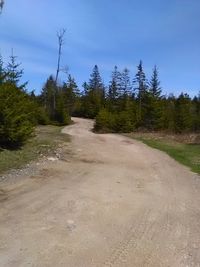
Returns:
(110,201)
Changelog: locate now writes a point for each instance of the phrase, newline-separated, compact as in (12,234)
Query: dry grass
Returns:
(44,142)
(183,148)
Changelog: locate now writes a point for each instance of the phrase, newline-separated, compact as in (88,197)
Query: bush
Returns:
(124,122)
(41,116)
(17,115)
(105,121)
(114,122)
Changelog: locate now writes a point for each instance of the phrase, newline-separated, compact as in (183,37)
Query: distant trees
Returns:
(141,105)
(122,106)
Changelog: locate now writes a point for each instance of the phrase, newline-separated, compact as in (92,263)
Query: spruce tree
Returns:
(153,106)
(95,82)
(140,83)
(196,113)
(71,94)
(183,115)
(48,95)
(14,74)
(94,98)
(125,84)
(154,84)
(17,111)
(114,85)
(2,71)
(168,113)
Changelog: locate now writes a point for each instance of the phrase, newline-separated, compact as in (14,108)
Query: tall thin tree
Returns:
(1,5)
(154,84)
(141,86)
(60,36)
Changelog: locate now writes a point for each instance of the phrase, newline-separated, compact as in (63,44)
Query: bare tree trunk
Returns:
(60,36)
(1,5)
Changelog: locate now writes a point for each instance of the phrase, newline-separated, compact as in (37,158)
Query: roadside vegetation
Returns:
(45,142)
(183,148)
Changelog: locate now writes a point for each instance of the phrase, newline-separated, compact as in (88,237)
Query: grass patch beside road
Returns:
(187,153)
(45,142)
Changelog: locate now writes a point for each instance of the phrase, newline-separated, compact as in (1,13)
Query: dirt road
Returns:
(111,202)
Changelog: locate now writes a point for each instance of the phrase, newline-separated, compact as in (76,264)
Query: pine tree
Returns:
(13,73)
(183,118)
(71,94)
(125,96)
(94,98)
(48,95)
(153,105)
(2,71)
(17,116)
(125,84)
(154,84)
(168,113)
(114,86)
(114,91)
(17,111)
(95,82)
(140,81)
(196,113)
(71,83)
(141,89)
(61,115)
(85,88)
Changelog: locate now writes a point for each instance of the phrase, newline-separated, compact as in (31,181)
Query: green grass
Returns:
(187,154)
(44,142)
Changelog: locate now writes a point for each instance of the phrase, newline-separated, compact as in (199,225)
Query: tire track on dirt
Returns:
(135,233)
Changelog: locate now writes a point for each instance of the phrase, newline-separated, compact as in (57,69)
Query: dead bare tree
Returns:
(1,5)
(60,36)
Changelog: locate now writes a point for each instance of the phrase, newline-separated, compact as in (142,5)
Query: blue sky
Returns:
(106,33)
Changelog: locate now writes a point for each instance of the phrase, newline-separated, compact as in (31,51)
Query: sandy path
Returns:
(115,202)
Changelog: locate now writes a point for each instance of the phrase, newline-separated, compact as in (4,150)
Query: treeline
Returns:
(129,104)
(124,105)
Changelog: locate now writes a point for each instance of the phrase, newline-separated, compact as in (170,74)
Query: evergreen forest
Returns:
(125,104)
